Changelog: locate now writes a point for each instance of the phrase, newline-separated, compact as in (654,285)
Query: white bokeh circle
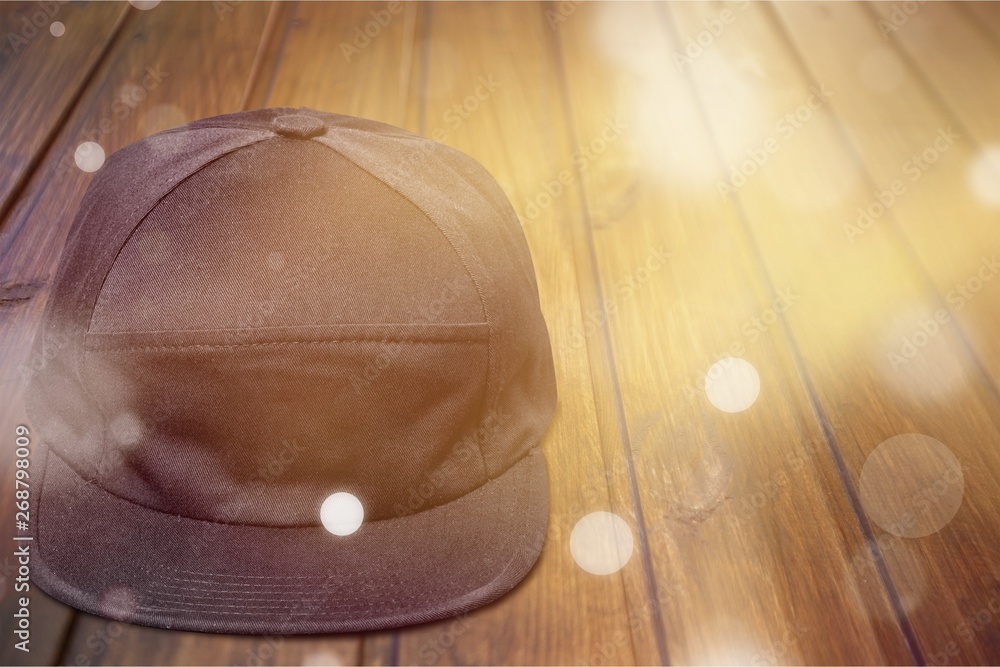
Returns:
(89,156)
(127,429)
(732,384)
(911,485)
(119,603)
(984,176)
(601,543)
(342,513)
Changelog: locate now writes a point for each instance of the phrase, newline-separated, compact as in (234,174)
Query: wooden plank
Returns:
(31,52)
(41,75)
(964,183)
(750,513)
(985,15)
(493,93)
(98,641)
(928,196)
(965,81)
(857,301)
(330,63)
(893,120)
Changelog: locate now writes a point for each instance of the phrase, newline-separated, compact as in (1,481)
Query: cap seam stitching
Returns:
(314,327)
(100,488)
(222,604)
(128,237)
(268,127)
(491,352)
(418,341)
(457,603)
(142,219)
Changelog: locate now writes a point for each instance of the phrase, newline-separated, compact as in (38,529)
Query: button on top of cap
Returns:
(298,126)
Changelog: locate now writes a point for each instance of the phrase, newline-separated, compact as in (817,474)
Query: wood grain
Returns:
(910,120)
(677,215)
(858,300)
(964,183)
(30,54)
(930,29)
(986,17)
(41,76)
(328,62)
(717,487)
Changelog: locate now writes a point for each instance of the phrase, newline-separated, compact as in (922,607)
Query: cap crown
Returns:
(257,310)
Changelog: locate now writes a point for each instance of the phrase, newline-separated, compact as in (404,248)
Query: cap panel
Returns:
(245,427)
(129,184)
(343,249)
(448,187)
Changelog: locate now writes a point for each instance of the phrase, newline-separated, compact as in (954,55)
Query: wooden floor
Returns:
(804,194)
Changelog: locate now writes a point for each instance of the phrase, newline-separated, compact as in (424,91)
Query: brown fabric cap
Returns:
(258,310)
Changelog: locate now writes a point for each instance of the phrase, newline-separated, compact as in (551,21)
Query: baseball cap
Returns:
(295,375)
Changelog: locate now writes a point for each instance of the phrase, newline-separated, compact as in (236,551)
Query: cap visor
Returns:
(109,556)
